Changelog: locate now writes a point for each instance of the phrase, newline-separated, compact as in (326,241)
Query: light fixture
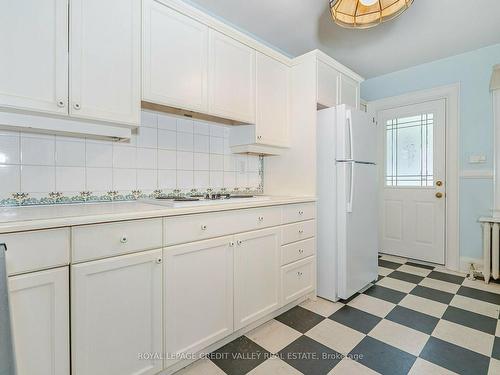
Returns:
(363,14)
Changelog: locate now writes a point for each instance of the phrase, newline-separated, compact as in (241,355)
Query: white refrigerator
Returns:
(347,189)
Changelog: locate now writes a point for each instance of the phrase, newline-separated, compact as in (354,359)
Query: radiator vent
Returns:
(491,250)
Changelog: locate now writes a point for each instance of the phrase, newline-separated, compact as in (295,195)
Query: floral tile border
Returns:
(23,199)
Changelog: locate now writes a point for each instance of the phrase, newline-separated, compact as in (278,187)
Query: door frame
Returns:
(451,95)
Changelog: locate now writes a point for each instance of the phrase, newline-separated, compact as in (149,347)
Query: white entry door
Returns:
(414,188)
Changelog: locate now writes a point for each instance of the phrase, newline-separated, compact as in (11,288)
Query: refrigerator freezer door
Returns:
(357,229)
(356,135)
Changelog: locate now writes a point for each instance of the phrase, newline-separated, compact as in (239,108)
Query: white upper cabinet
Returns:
(34,55)
(231,79)
(328,82)
(256,275)
(349,91)
(175,58)
(272,101)
(40,321)
(105,60)
(116,314)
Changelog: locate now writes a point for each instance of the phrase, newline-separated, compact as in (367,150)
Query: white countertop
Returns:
(17,219)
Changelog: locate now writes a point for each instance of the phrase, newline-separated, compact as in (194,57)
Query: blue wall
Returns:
(473,71)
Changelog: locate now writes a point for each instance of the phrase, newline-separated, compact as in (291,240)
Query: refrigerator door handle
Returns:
(349,128)
(351,189)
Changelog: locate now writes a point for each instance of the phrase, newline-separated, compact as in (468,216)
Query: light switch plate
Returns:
(477,159)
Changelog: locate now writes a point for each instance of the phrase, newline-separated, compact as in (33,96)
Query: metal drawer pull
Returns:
(124,239)
(203,227)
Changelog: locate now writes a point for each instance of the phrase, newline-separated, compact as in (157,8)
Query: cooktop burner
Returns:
(180,201)
(186,199)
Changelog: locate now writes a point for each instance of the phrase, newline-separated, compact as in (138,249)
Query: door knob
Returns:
(439,183)
(439,195)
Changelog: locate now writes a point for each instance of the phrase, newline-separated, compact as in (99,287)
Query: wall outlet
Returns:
(242,166)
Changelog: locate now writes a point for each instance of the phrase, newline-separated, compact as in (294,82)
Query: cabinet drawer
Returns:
(36,250)
(297,250)
(105,240)
(298,231)
(297,279)
(189,228)
(299,212)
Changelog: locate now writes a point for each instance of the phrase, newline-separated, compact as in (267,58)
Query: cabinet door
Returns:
(231,78)
(116,315)
(327,87)
(105,60)
(256,275)
(34,55)
(298,279)
(198,295)
(40,322)
(272,101)
(349,91)
(175,58)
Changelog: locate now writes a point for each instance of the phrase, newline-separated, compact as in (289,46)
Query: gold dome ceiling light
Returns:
(362,14)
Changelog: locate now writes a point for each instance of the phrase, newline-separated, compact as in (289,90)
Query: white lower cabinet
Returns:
(298,279)
(256,275)
(198,288)
(116,317)
(40,322)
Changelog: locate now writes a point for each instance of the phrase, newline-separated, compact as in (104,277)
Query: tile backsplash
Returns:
(166,153)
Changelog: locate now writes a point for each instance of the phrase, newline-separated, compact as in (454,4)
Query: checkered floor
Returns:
(416,319)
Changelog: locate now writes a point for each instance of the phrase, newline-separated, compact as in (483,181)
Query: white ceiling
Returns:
(429,30)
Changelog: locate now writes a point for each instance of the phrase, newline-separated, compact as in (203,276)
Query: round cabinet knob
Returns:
(203,227)
(261,218)
(299,274)
(124,239)
(76,106)
(159,260)
(301,231)
(239,242)
(439,195)
(301,212)
(301,251)
(231,243)
(61,104)
(439,183)
(259,137)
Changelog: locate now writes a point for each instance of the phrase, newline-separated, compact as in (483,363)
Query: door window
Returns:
(409,151)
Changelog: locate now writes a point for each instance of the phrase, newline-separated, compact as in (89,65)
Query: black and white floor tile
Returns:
(416,319)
